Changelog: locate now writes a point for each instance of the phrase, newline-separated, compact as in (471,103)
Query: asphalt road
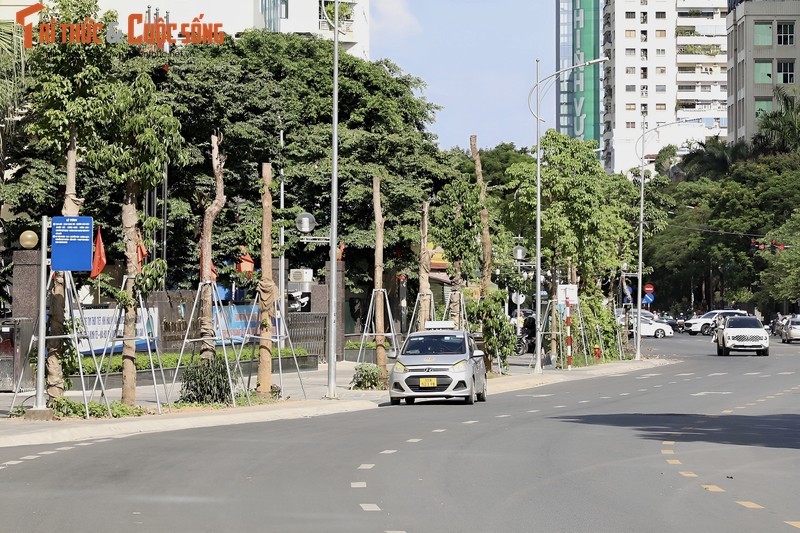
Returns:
(705,444)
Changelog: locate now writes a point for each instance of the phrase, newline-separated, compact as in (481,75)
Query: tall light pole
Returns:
(645,131)
(332,281)
(537,115)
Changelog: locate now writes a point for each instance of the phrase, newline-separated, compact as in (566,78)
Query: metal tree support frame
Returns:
(282,333)
(223,329)
(112,339)
(432,316)
(73,305)
(370,321)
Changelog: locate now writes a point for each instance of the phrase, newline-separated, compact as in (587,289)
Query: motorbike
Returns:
(523,343)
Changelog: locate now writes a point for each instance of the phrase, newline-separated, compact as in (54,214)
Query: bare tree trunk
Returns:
(553,314)
(454,307)
(424,270)
(380,346)
(266,288)
(71,207)
(486,239)
(208,349)
(130,219)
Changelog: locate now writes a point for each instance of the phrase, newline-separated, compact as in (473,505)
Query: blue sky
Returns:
(478,60)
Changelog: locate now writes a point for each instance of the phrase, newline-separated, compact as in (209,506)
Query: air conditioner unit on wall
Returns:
(301,275)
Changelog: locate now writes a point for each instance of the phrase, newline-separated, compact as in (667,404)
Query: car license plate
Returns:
(427,382)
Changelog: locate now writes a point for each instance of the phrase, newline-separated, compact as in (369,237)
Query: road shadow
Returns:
(769,431)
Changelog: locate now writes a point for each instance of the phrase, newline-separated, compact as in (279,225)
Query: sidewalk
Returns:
(19,432)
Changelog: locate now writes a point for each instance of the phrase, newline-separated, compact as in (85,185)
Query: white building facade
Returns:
(666,72)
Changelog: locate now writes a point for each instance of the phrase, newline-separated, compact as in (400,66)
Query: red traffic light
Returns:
(781,247)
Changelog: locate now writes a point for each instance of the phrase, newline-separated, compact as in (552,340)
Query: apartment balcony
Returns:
(702,77)
(701,40)
(346,26)
(705,59)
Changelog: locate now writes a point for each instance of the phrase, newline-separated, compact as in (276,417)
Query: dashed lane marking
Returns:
(84,443)
(727,411)
(104,440)
(688,474)
(741,407)
(713,374)
(771,397)
(672,383)
(642,390)
(685,374)
(65,448)
(387,531)
(49,452)
(761,400)
(624,393)
(29,457)
(387,452)
(751,373)
(793,524)
(674,462)
(605,397)
(584,401)
(668,443)
(785,373)
(751,404)
(369,507)
(533,411)
(713,488)
(657,386)
(358,484)
(667,452)
(366,466)
(778,394)
(502,416)
(439,430)
(470,422)
(558,406)
(414,440)
(750,505)
(12,462)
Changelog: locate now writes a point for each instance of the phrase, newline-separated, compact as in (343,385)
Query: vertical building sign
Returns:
(586,81)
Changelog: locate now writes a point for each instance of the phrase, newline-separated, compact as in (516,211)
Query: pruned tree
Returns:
(486,239)
(380,339)
(425,300)
(267,291)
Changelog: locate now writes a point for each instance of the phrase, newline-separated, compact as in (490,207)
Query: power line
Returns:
(720,232)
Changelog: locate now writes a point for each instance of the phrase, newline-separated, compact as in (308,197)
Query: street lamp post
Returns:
(519,252)
(537,115)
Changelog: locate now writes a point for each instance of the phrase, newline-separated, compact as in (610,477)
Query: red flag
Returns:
(99,260)
(246,263)
(141,251)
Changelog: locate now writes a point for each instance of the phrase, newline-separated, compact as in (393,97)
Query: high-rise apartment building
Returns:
(764,52)
(578,91)
(666,72)
(286,16)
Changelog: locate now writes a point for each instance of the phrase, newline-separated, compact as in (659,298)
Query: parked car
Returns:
(438,364)
(742,334)
(790,331)
(650,328)
(704,323)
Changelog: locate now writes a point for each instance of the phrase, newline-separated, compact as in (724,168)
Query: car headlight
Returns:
(459,367)
(400,368)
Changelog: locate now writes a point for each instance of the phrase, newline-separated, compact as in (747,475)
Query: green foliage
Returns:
(64,407)
(369,345)
(367,376)
(498,332)
(206,383)
(151,277)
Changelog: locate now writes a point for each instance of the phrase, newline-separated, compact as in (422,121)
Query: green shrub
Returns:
(370,345)
(367,377)
(498,332)
(206,382)
(67,408)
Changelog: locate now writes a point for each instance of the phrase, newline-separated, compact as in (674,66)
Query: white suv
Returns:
(742,334)
(704,323)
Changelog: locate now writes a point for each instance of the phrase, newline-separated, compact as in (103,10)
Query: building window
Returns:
(630,70)
(686,88)
(763,106)
(686,70)
(661,107)
(630,14)
(643,18)
(284,6)
(661,52)
(630,33)
(644,73)
(661,70)
(762,34)
(630,88)
(786,33)
(785,71)
(644,36)
(644,109)
(661,33)
(762,72)
(705,88)
(644,90)
(630,107)
(661,88)
(630,125)
(644,54)
(630,51)
(661,14)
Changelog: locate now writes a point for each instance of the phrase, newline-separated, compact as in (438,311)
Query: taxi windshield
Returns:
(435,345)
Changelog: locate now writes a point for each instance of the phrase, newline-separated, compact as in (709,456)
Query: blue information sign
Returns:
(71,241)
(648,299)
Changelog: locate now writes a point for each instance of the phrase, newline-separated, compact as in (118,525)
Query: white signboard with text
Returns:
(99,321)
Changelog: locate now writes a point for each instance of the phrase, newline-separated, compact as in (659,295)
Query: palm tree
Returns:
(713,158)
(12,77)
(779,130)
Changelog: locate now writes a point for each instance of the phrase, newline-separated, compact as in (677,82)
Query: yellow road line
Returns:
(793,524)
(688,474)
(674,462)
(750,505)
(668,443)
(713,488)
(727,411)
(667,452)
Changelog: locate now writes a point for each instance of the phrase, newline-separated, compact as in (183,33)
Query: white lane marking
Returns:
(65,448)
(657,386)
(705,393)
(751,373)
(648,376)
(470,422)
(387,531)
(533,411)
(559,406)
(765,376)
(12,462)
(624,393)
(369,507)
(502,416)
(387,452)
(584,401)
(605,397)
(358,484)
(366,466)
(642,390)
(685,374)
(50,452)
(785,373)
(29,457)
(672,383)
(413,440)
(717,374)
(534,395)
(439,430)
(104,440)
(84,443)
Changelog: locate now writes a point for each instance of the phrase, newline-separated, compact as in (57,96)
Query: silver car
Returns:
(790,331)
(438,364)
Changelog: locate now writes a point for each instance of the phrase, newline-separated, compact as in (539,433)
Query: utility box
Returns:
(15,339)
